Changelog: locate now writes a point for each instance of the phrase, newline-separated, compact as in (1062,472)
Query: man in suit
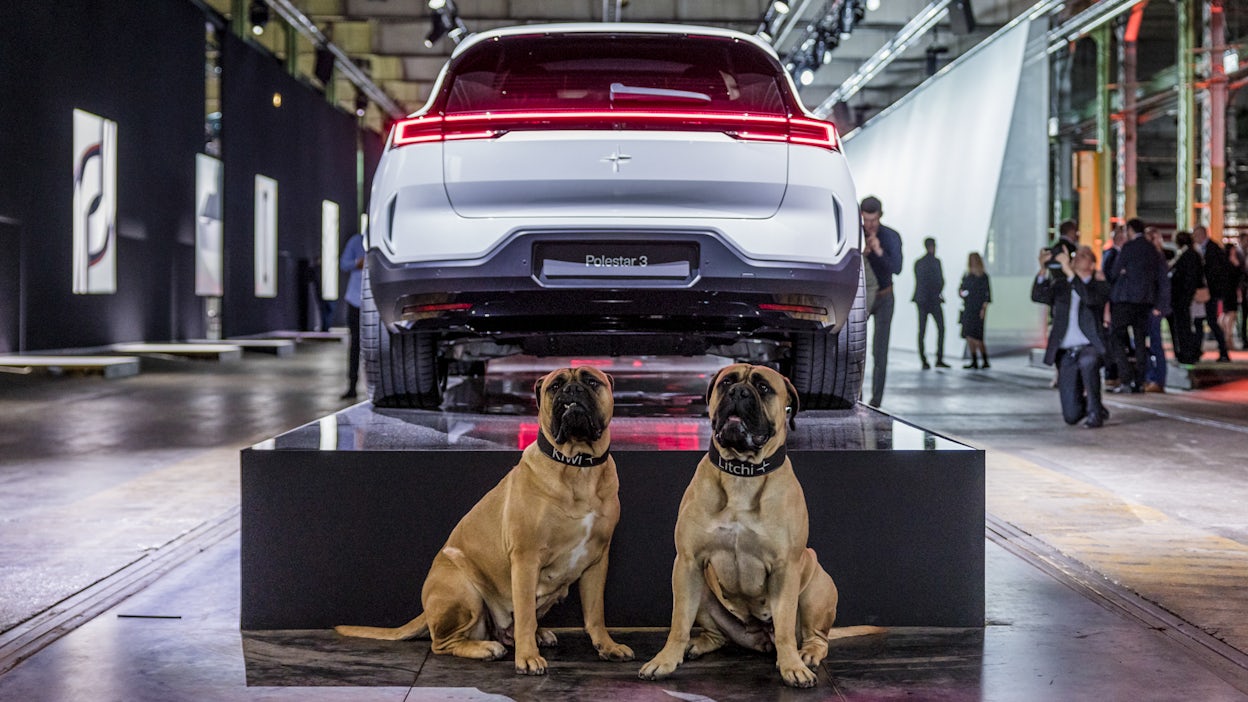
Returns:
(929,286)
(1186,277)
(1076,296)
(1217,268)
(1131,300)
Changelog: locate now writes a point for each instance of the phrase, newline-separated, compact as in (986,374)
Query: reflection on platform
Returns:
(660,405)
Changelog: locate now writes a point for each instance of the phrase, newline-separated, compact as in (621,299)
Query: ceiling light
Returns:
(437,4)
(806,77)
(437,30)
(873,5)
(258,14)
(781,8)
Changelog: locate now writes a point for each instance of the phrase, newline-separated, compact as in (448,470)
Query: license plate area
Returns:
(594,263)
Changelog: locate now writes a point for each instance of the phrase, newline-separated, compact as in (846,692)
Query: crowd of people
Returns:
(1111,319)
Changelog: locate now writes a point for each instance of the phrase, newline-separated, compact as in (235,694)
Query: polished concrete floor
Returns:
(1117,559)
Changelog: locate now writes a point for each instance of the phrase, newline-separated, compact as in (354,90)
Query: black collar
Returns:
(580,460)
(747,470)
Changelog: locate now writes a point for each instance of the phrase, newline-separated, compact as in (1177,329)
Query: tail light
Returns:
(490,125)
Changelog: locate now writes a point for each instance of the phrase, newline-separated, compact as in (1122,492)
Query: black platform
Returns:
(342,517)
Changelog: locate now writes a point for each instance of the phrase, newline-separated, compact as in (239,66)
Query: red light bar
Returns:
(742,126)
(797,309)
(440,307)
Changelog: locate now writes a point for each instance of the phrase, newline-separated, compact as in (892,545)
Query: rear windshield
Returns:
(599,71)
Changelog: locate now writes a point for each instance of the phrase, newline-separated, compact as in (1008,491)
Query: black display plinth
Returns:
(342,517)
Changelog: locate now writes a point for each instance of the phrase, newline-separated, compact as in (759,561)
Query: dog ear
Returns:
(537,390)
(794,403)
(714,381)
(610,381)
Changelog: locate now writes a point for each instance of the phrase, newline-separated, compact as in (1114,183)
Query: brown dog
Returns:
(742,565)
(547,524)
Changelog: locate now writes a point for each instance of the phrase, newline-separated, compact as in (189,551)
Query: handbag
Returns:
(1201,296)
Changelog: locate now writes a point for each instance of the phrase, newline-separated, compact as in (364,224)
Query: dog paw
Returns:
(478,649)
(658,667)
(530,665)
(814,653)
(612,651)
(797,676)
(702,645)
(546,637)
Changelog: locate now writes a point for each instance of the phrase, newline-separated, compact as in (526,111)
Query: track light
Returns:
(437,4)
(806,76)
(437,30)
(781,8)
(258,15)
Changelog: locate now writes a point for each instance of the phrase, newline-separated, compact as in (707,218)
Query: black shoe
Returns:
(874,402)
(1224,359)
(925,366)
(348,395)
(985,365)
(970,366)
(942,364)
(1094,423)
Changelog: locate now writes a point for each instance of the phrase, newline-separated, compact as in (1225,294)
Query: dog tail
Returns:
(848,632)
(411,630)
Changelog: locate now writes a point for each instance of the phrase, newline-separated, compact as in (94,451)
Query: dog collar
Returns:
(580,460)
(747,470)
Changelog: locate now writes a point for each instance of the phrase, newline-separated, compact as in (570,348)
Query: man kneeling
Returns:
(1077,295)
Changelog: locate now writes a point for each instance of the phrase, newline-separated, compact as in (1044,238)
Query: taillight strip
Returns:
(489,125)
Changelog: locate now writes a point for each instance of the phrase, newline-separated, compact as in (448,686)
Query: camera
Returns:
(1053,264)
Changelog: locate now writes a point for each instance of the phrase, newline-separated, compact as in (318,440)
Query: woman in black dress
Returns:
(976,294)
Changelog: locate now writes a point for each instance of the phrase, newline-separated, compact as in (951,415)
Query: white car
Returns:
(612,189)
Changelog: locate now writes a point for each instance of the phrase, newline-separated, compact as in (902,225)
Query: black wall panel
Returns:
(140,65)
(309,148)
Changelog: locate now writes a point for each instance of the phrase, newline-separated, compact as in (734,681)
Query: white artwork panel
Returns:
(95,205)
(329,250)
(209,244)
(266,237)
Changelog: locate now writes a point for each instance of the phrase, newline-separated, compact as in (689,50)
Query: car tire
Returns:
(828,366)
(402,370)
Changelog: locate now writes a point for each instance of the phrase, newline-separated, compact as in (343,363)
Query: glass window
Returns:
(596,71)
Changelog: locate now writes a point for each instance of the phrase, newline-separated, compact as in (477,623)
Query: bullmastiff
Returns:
(743,570)
(516,553)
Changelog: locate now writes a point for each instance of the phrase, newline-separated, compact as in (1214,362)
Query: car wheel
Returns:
(402,370)
(827,366)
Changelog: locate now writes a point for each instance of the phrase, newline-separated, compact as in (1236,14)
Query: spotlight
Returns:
(873,5)
(781,8)
(806,77)
(258,14)
(437,4)
(437,30)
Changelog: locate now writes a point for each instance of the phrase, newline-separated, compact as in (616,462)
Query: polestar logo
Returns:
(616,158)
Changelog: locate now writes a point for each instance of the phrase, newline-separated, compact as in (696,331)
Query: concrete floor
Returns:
(1117,559)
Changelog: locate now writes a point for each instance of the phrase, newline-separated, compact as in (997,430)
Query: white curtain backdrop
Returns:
(935,161)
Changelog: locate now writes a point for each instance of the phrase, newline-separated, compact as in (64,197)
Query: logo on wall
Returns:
(95,204)
(266,237)
(209,245)
(329,250)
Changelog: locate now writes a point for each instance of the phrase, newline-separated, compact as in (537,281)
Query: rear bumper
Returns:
(508,297)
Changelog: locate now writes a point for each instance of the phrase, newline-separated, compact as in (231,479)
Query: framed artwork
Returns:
(209,245)
(266,236)
(95,205)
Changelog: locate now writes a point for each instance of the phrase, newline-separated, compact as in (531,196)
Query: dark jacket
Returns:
(889,264)
(1135,273)
(1054,291)
(929,282)
(1107,262)
(1218,270)
(1186,275)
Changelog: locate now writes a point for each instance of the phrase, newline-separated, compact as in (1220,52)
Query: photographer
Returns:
(1076,295)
